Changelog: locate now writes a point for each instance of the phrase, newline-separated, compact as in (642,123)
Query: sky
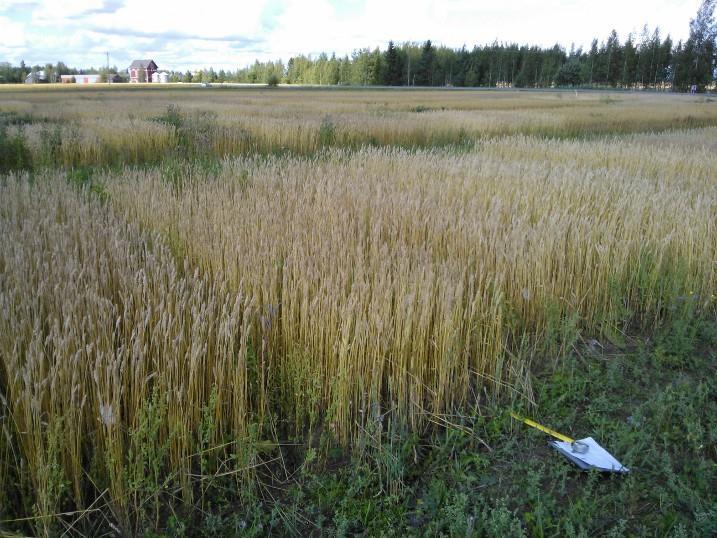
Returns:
(226,34)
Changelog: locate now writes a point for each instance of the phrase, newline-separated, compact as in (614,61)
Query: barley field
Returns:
(192,279)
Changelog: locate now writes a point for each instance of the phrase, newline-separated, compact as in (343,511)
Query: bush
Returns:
(272,80)
(327,132)
(14,153)
(569,75)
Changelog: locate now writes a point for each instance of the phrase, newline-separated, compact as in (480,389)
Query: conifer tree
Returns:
(394,66)
(426,65)
(700,46)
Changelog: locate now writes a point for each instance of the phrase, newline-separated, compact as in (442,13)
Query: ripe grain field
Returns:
(204,290)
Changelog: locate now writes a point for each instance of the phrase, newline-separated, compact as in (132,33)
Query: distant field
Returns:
(190,279)
(100,127)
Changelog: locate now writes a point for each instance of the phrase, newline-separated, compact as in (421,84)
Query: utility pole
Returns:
(109,78)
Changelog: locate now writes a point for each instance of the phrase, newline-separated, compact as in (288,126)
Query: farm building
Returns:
(142,70)
(36,77)
(160,77)
(87,79)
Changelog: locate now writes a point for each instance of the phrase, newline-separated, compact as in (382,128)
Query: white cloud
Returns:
(13,34)
(55,12)
(227,34)
(211,19)
(6,5)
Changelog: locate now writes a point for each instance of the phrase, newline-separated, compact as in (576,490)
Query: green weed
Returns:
(14,152)
(327,132)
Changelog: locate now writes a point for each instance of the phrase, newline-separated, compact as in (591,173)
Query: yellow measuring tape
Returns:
(542,428)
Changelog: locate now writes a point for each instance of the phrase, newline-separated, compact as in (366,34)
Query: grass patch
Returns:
(653,404)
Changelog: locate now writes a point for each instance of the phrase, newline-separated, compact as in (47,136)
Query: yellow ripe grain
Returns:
(189,316)
(405,274)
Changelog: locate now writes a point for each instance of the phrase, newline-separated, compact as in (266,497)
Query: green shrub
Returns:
(327,132)
(14,153)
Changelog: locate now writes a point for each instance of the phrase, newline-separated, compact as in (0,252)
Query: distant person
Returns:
(693,89)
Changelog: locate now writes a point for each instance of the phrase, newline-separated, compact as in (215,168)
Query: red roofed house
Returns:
(142,70)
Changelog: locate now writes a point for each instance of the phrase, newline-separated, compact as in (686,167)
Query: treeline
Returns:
(644,61)
(17,74)
(629,64)
(648,61)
